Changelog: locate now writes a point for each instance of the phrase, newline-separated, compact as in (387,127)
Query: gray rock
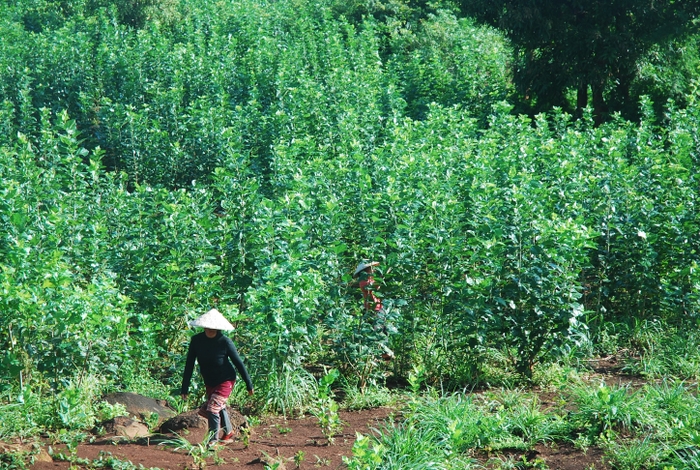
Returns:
(192,420)
(121,426)
(141,407)
(39,454)
(187,420)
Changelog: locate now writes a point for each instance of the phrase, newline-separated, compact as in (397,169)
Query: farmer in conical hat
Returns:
(365,276)
(216,355)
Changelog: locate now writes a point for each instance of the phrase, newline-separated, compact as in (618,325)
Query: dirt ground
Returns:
(296,441)
(299,443)
(274,440)
(279,440)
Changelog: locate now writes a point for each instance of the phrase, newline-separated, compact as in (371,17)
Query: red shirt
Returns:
(372,302)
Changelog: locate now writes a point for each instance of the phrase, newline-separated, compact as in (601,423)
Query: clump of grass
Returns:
(522,419)
(405,445)
(666,352)
(442,432)
(553,376)
(289,391)
(534,426)
(635,454)
(371,397)
(606,410)
(674,408)
(199,452)
(686,457)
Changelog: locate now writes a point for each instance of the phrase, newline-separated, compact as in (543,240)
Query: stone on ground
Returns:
(140,407)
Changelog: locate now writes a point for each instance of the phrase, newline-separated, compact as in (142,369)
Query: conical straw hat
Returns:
(212,320)
(362,266)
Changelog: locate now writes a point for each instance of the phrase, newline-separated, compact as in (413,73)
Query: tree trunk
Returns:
(599,108)
(582,96)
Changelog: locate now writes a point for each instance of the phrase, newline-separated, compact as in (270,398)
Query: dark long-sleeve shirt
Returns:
(212,355)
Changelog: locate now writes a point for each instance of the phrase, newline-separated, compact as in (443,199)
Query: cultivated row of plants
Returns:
(533,236)
(248,155)
(527,237)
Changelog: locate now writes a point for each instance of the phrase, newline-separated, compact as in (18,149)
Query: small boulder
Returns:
(192,420)
(121,426)
(186,420)
(43,456)
(38,453)
(140,407)
(238,421)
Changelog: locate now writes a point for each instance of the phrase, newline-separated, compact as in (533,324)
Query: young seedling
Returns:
(199,452)
(326,408)
(298,458)
(245,436)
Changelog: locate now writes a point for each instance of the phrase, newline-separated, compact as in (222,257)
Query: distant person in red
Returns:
(218,361)
(365,276)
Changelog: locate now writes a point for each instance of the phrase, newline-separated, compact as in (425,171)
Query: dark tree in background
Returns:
(594,46)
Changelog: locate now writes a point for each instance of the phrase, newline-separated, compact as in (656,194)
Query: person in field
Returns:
(218,362)
(373,304)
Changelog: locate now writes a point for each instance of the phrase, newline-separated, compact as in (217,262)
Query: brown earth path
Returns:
(275,439)
(279,440)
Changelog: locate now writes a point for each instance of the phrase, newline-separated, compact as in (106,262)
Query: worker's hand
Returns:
(184,397)
(250,392)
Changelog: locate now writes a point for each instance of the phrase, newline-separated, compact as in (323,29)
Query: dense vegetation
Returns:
(161,158)
(595,45)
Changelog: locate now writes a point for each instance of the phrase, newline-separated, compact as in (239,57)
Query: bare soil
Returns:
(288,442)
(274,440)
(279,440)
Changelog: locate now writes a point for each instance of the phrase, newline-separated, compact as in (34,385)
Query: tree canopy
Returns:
(586,46)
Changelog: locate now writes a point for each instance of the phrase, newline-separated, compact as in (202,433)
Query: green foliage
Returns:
(598,45)
(288,391)
(655,425)
(450,62)
(662,350)
(247,155)
(369,398)
(14,460)
(633,455)
(326,408)
(137,13)
(439,432)
(607,410)
(71,410)
(199,452)
(108,461)
(668,72)
(104,411)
